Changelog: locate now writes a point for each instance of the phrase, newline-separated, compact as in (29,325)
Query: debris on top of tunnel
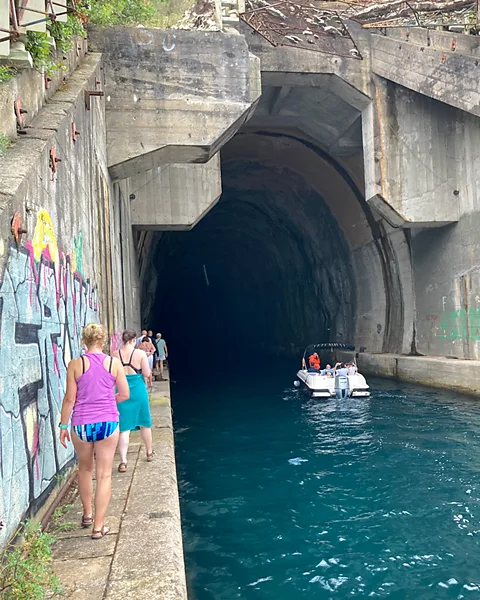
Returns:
(302,25)
(201,17)
(322,25)
(416,13)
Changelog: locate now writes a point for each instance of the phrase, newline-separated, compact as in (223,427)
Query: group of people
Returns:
(156,351)
(105,399)
(340,368)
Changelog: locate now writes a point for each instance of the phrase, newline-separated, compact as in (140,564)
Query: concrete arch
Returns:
(292,253)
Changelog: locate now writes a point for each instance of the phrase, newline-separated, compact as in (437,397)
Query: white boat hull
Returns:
(321,386)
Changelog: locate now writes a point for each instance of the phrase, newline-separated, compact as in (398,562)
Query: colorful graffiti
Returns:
(461,324)
(44,303)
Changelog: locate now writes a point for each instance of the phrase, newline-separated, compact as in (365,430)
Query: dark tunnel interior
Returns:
(267,270)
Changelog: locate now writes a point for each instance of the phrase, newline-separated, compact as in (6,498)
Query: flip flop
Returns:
(98,534)
(86,521)
(122,467)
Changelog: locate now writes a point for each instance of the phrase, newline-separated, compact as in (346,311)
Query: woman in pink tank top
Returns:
(91,397)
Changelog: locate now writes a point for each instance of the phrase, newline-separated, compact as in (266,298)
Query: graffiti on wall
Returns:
(44,303)
(461,324)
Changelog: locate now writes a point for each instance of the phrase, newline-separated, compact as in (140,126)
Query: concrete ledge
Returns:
(433,371)
(436,73)
(151,521)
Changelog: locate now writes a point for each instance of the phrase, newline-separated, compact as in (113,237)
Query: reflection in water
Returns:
(284,497)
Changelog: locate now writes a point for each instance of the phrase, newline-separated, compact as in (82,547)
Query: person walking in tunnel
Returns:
(140,338)
(90,396)
(162,353)
(135,412)
(149,349)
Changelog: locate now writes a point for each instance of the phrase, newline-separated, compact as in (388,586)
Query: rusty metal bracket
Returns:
(89,94)
(54,161)
(19,112)
(74,132)
(16,228)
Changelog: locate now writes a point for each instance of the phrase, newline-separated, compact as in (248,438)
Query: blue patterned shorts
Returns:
(95,432)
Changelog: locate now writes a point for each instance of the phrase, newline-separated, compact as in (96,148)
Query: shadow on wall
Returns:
(44,304)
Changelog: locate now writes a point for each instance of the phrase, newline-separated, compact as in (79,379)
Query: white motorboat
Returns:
(331,383)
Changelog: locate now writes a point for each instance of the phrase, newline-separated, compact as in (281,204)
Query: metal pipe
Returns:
(13,14)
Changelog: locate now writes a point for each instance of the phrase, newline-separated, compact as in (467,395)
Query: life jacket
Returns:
(314,361)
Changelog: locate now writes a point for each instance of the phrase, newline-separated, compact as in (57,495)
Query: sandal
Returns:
(150,456)
(97,534)
(122,467)
(86,521)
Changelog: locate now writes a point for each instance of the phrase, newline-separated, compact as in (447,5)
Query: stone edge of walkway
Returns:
(440,372)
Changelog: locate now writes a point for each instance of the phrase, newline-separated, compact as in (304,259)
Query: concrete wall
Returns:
(437,372)
(58,277)
(414,157)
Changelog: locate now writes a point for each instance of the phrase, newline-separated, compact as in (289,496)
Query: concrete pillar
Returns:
(412,158)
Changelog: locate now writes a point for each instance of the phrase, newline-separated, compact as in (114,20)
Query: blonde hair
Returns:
(94,334)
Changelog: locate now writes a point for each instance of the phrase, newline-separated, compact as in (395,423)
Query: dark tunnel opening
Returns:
(267,270)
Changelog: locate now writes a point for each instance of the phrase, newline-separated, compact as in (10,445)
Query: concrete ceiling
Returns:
(324,107)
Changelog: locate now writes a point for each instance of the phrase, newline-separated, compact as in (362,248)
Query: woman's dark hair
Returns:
(128,335)
(146,339)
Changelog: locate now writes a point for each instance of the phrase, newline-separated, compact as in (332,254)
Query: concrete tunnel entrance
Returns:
(290,254)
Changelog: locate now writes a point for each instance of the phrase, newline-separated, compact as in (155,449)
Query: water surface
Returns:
(287,498)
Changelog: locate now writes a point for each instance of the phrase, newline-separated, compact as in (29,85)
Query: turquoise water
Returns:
(289,498)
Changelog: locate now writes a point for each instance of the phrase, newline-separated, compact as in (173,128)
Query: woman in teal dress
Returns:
(134,412)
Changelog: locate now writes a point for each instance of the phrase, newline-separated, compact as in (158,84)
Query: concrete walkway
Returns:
(142,556)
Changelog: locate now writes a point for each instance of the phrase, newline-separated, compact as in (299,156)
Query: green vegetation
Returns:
(150,13)
(4,143)
(56,524)
(41,49)
(63,33)
(7,73)
(26,569)
(121,12)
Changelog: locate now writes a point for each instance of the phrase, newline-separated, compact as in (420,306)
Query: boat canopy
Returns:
(329,346)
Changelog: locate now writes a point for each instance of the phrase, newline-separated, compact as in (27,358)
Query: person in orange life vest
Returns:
(314,363)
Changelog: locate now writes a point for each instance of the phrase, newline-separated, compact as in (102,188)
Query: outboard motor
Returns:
(342,388)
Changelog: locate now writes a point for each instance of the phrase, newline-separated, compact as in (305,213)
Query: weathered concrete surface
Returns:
(173,97)
(142,557)
(433,371)
(417,170)
(29,87)
(321,95)
(175,197)
(444,66)
(347,71)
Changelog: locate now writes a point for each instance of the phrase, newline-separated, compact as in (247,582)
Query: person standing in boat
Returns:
(135,412)
(313,363)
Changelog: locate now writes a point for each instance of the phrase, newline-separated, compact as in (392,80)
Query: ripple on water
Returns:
(285,498)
